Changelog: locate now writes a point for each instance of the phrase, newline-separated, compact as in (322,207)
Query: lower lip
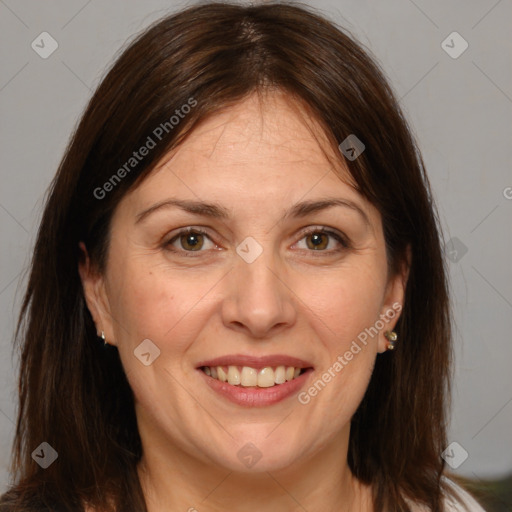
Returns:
(254,396)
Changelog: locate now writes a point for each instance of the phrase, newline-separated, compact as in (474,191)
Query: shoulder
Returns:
(15,500)
(18,500)
(464,503)
(11,502)
(455,500)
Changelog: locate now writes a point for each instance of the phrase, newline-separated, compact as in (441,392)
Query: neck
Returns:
(173,480)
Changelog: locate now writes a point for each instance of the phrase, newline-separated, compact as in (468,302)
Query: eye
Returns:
(189,240)
(317,239)
(192,240)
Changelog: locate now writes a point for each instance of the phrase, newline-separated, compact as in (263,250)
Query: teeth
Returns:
(221,374)
(233,376)
(250,377)
(280,374)
(266,378)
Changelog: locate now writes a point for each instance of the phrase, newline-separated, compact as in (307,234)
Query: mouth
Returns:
(255,381)
(247,377)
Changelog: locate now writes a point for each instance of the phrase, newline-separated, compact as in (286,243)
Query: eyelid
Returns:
(184,231)
(341,238)
(326,230)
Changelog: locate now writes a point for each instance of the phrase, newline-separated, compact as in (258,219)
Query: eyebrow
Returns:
(216,211)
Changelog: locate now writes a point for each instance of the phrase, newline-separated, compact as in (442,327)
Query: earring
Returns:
(103,338)
(391,336)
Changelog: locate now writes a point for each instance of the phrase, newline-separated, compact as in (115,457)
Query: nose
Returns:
(259,303)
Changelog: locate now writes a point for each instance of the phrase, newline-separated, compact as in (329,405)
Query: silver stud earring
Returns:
(103,338)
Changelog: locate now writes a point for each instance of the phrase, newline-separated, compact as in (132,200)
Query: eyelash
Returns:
(191,254)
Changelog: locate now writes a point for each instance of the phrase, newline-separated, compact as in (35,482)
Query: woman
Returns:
(237,298)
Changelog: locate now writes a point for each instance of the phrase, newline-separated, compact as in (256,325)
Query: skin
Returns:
(257,160)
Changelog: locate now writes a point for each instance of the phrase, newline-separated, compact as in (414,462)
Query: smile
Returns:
(255,381)
(247,376)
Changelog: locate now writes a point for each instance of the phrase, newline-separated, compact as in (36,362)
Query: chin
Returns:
(259,450)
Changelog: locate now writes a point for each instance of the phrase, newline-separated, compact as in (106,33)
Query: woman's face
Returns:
(262,288)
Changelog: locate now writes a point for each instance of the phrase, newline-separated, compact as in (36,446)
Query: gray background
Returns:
(460,110)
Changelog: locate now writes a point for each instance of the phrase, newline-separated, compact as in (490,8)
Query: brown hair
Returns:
(74,395)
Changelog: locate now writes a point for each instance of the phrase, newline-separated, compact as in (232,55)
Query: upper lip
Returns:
(256,362)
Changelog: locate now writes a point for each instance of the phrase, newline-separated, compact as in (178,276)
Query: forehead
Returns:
(274,126)
(252,154)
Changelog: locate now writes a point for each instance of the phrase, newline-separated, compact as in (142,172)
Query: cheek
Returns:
(346,301)
(159,304)
(345,318)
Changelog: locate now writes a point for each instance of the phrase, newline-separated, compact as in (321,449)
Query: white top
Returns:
(469,504)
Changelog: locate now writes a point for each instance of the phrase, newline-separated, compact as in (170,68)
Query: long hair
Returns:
(74,395)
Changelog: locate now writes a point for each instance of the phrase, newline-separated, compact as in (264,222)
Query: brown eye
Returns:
(191,241)
(318,241)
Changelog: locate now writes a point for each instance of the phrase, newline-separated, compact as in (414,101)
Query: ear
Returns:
(95,294)
(394,299)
